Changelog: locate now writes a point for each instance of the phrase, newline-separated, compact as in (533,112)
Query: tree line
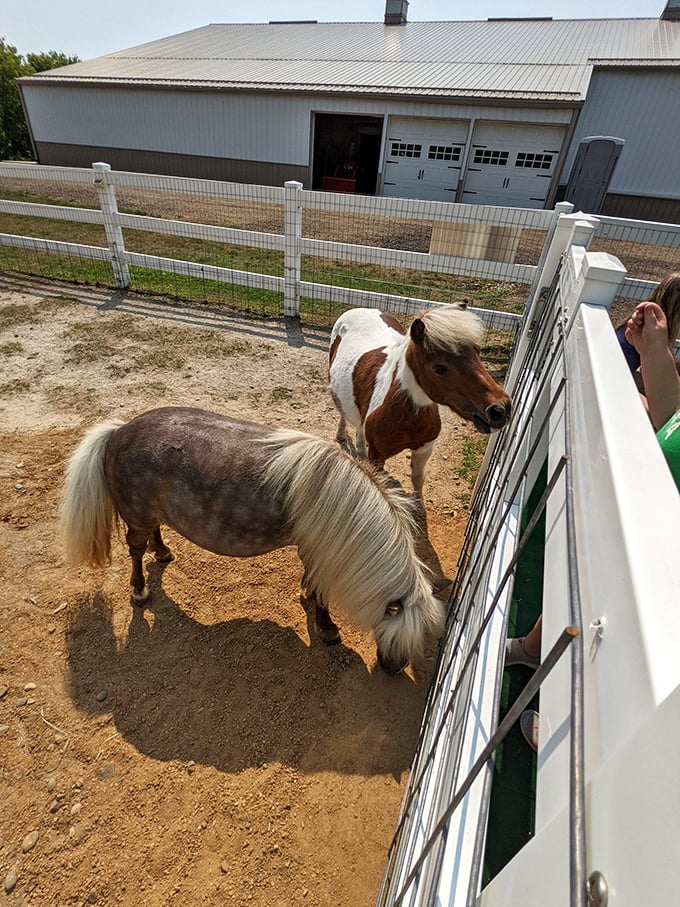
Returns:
(15,143)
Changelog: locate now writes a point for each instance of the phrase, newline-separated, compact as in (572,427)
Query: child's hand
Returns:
(647,328)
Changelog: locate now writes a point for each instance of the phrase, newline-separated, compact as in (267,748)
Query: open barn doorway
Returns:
(346,152)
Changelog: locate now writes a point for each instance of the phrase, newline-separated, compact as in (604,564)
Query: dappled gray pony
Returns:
(242,489)
(387,382)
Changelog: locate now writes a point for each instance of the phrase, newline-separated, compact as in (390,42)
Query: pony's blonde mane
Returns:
(346,519)
(450,327)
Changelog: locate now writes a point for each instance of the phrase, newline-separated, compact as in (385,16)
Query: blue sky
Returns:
(87,30)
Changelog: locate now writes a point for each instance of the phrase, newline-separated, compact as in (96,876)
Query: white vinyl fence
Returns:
(606,814)
(460,236)
(503,245)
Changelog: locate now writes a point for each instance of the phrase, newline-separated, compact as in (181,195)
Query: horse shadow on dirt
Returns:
(240,693)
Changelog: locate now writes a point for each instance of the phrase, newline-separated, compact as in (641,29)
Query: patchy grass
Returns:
(471,457)
(11,348)
(318,377)
(16,314)
(118,371)
(134,345)
(162,358)
(16,386)
(281,393)
(51,304)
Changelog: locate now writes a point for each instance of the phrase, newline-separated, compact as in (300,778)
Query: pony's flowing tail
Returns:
(86,513)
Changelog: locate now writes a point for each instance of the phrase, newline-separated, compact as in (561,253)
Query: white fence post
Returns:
(587,280)
(568,232)
(591,277)
(571,229)
(114,234)
(292,229)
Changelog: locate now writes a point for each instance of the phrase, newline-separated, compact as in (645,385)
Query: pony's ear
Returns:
(418,330)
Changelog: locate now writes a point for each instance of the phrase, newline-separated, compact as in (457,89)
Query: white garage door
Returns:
(511,165)
(423,158)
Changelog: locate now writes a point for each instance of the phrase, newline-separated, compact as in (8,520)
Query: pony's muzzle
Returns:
(390,665)
(493,418)
(498,414)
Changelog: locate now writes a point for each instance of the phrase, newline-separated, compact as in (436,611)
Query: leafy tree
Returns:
(14,139)
(49,60)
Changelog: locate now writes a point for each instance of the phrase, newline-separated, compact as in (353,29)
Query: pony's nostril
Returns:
(497,414)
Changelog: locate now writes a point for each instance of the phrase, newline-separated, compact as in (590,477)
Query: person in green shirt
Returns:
(647,331)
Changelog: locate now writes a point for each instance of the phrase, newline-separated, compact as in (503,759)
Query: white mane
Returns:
(450,327)
(355,536)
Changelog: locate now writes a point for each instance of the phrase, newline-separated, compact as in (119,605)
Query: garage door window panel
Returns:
(451,153)
(492,158)
(406,149)
(533,161)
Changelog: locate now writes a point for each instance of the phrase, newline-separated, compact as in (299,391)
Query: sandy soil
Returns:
(207,749)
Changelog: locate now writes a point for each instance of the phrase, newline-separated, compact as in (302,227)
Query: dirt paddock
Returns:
(207,749)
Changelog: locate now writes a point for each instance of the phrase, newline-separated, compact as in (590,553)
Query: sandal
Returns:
(516,654)
(528,722)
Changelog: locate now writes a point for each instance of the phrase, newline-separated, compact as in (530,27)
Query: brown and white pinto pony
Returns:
(388,383)
(242,489)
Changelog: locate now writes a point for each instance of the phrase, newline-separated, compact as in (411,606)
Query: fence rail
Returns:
(294,231)
(395,252)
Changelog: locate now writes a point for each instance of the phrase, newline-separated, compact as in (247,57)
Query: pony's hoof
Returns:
(138,598)
(165,557)
(328,636)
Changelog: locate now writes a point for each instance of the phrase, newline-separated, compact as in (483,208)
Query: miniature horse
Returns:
(387,383)
(242,489)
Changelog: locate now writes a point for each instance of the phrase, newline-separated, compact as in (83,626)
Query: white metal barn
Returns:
(484,112)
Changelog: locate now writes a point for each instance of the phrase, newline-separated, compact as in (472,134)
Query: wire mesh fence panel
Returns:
(413,225)
(434,252)
(204,239)
(228,245)
(28,260)
(34,189)
(648,251)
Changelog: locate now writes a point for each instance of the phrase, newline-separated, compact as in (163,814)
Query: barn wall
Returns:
(220,125)
(242,136)
(261,173)
(642,107)
(662,210)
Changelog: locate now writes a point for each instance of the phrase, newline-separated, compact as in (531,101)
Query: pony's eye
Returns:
(439,369)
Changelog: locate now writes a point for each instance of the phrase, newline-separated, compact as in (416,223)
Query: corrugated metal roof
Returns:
(524,59)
